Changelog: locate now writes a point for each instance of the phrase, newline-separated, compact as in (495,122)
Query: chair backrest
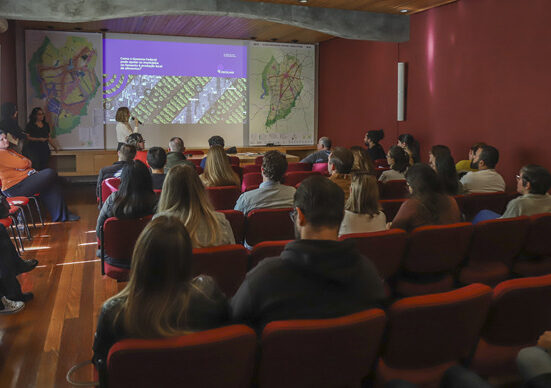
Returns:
(429,330)
(264,250)
(337,352)
(537,240)
(199,170)
(234,160)
(109,186)
(471,204)
(258,160)
(498,240)
(385,249)
(253,187)
(227,264)
(250,168)
(519,312)
(251,179)
(299,167)
(222,357)
(238,170)
(395,189)
(437,248)
(223,197)
(321,168)
(268,225)
(391,207)
(195,161)
(237,222)
(293,178)
(120,236)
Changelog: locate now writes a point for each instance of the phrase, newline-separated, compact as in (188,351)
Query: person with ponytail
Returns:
(371,140)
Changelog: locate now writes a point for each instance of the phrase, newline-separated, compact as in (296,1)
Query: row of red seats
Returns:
(416,339)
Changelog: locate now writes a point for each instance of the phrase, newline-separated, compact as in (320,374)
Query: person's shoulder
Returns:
(112,306)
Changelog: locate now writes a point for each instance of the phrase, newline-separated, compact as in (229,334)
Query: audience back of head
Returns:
(538,177)
(401,158)
(490,156)
(321,201)
(362,161)
(176,144)
(127,152)
(137,140)
(135,196)
(364,194)
(216,141)
(342,159)
(156,158)
(218,171)
(274,166)
(325,142)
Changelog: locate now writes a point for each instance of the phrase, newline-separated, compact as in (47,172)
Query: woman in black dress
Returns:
(37,146)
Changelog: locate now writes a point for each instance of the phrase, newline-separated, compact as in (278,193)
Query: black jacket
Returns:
(311,279)
(377,152)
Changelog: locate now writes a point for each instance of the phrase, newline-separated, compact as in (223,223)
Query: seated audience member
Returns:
(534,363)
(339,165)
(218,170)
(176,154)
(436,151)
(374,149)
(156,158)
(137,140)
(428,204)
(126,153)
(123,127)
(322,154)
(271,193)
(316,276)
(362,161)
(9,125)
(411,146)
(445,168)
(533,183)
(19,179)
(214,141)
(161,298)
(398,160)
(134,199)
(486,179)
(184,196)
(464,166)
(362,212)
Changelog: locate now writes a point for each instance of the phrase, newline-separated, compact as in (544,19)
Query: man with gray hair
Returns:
(176,154)
(322,155)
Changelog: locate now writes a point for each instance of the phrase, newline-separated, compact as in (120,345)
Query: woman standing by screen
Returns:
(38,137)
(123,128)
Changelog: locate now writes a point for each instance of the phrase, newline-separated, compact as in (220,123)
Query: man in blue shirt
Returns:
(322,155)
(271,193)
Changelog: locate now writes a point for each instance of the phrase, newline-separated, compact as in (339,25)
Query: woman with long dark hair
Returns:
(398,160)
(444,166)
(161,298)
(428,205)
(38,139)
(411,146)
(8,124)
(135,197)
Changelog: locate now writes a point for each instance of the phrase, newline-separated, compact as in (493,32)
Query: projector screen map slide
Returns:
(202,84)
(282,92)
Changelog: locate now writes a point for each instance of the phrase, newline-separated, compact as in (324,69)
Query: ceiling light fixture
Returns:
(303,1)
(404,11)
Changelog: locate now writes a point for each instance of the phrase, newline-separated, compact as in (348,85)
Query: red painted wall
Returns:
(478,70)
(8,79)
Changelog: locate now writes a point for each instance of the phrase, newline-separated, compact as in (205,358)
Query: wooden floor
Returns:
(55,330)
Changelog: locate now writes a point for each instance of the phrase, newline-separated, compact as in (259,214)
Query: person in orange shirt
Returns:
(20,179)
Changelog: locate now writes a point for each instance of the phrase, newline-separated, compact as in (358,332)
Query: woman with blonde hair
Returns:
(184,196)
(362,212)
(362,161)
(161,299)
(218,171)
(123,128)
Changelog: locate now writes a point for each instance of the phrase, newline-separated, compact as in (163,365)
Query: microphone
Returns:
(133,118)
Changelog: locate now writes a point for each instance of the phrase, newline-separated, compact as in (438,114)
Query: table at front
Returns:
(248,158)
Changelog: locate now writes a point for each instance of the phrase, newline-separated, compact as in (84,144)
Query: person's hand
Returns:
(545,340)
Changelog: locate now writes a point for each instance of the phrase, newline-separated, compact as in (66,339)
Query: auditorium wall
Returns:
(8,89)
(478,70)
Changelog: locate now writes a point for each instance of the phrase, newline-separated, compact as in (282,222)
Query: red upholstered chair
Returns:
(251,179)
(266,249)
(432,255)
(108,186)
(268,225)
(234,160)
(471,204)
(381,163)
(251,168)
(222,357)
(197,162)
(385,249)
(238,170)
(193,152)
(395,189)
(118,237)
(299,167)
(227,264)
(199,170)
(518,315)
(237,222)
(253,187)
(391,207)
(337,352)
(495,243)
(293,178)
(259,160)
(223,197)
(536,257)
(321,168)
(428,334)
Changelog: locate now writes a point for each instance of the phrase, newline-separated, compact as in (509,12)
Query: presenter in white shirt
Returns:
(123,127)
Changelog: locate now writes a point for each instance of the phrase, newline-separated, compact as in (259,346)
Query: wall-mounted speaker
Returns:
(401,110)
(3,25)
